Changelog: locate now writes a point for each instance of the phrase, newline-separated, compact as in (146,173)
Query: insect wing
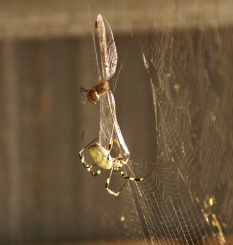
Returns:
(117,130)
(106,123)
(108,52)
(109,127)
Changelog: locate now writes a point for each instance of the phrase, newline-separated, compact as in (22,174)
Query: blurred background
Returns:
(174,99)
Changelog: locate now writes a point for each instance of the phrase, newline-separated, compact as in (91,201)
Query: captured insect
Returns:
(104,160)
(108,58)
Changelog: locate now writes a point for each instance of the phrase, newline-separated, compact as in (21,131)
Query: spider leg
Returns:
(135,179)
(124,161)
(107,185)
(131,178)
(108,182)
(110,144)
(109,149)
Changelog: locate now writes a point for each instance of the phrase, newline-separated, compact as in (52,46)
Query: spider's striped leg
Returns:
(87,166)
(127,159)
(110,144)
(110,148)
(135,179)
(107,185)
(131,178)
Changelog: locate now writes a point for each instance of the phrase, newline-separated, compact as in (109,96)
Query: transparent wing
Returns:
(117,132)
(106,122)
(109,127)
(108,52)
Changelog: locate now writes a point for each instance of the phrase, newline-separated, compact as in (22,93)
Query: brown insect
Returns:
(94,93)
(108,58)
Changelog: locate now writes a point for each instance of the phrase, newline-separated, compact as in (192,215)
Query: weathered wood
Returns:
(58,18)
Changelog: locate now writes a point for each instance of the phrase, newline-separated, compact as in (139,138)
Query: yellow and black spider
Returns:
(104,160)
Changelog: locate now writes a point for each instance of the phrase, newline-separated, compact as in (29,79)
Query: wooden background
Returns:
(46,54)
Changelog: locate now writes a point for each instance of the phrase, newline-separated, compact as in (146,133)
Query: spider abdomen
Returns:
(101,156)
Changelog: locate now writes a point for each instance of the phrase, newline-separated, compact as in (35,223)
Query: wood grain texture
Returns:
(57,18)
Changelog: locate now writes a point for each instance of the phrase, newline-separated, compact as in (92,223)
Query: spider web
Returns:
(192,92)
(187,198)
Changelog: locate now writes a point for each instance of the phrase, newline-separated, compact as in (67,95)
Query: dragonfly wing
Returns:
(106,123)
(109,127)
(117,130)
(108,52)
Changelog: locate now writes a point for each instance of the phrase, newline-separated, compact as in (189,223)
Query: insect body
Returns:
(108,57)
(94,93)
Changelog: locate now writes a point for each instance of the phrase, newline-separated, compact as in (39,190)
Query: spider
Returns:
(104,160)
(108,57)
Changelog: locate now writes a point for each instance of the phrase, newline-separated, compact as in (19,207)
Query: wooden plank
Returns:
(56,18)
